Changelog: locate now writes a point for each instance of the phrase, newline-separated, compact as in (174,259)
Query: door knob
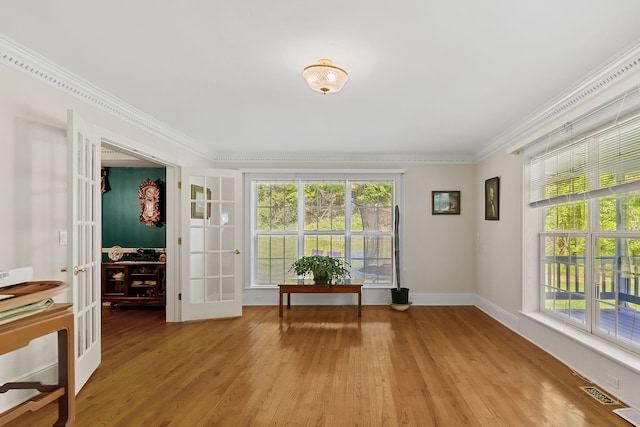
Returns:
(237,252)
(77,270)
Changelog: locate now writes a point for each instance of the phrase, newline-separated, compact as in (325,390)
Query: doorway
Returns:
(144,247)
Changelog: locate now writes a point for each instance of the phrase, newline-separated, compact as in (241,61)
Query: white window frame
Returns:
(252,175)
(593,192)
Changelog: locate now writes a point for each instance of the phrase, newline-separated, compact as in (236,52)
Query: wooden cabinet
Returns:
(134,282)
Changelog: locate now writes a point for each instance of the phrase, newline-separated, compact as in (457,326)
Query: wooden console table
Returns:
(18,333)
(293,288)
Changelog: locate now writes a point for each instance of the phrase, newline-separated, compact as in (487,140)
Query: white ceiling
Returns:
(432,79)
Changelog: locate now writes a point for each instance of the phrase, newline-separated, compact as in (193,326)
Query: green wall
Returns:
(121,210)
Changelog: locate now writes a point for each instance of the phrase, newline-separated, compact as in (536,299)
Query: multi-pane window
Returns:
(617,267)
(588,199)
(276,229)
(564,247)
(372,232)
(350,219)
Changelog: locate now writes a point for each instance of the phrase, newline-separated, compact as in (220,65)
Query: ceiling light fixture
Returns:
(325,77)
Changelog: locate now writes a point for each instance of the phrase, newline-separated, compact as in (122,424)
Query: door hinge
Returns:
(179,185)
(179,240)
(180,297)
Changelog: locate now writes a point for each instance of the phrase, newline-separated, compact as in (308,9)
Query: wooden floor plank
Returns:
(325,366)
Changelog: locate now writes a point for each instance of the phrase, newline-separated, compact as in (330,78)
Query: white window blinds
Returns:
(602,162)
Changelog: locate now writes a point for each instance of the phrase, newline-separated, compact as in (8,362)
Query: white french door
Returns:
(210,252)
(84,249)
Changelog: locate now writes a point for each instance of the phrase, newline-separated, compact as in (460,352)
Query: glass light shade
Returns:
(325,77)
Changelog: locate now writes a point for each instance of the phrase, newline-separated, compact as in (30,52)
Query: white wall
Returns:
(34,198)
(34,195)
(440,255)
(499,243)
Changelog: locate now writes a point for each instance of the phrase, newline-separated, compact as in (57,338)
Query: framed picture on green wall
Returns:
(198,202)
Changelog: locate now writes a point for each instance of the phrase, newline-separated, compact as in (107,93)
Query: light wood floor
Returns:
(324,366)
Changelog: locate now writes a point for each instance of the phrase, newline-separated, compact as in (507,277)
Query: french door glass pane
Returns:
(228,289)
(213,289)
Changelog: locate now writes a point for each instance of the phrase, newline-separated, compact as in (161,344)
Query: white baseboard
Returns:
(610,367)
(370,296)
(442,299)
(613,369)
(629,414)
(509,320)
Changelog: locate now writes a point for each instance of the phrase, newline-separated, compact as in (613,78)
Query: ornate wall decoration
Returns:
(149,195)
(104,180)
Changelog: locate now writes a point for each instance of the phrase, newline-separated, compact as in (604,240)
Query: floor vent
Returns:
(600,396)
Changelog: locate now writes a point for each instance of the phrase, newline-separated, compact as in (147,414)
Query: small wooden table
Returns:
(21,331)
(13,335)
(299,288)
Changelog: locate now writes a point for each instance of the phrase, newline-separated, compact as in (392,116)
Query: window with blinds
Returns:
(602,163)
(588,197)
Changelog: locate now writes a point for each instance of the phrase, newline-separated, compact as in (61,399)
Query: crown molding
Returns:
(25,60)
(620,66)
(612,72)
(318,157)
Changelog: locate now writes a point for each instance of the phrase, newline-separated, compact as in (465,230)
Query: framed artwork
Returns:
(149,196)
(198,202)
(104,180)
(445,203)
(492,199)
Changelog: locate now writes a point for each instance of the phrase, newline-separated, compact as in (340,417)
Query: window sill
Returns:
(366,286)
(599,345)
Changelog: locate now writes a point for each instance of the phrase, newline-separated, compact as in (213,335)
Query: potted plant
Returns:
(325,269)
(399,295)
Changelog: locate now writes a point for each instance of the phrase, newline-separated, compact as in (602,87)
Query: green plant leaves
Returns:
(322,267)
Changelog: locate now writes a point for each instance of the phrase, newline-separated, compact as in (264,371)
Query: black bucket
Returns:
(400,296)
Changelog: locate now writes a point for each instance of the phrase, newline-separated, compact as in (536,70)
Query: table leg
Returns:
(280,308)
(66,403)
(360,304)
(288,301)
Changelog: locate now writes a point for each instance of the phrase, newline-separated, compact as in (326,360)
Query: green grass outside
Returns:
(277,253)
(580,304)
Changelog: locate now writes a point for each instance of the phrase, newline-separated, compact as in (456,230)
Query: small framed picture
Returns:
(445,203)
(198,202)
(492,199)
